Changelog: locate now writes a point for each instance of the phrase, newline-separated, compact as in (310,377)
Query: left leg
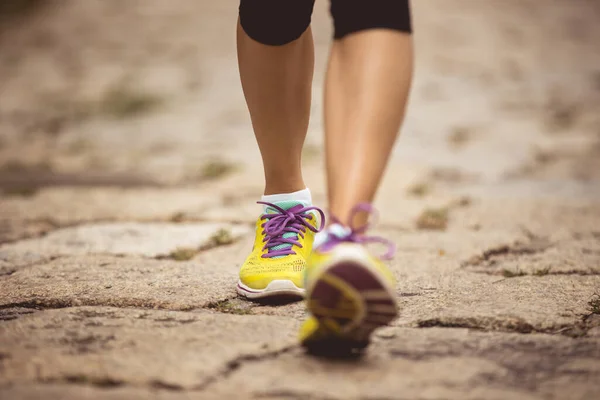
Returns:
(275,52)
(276,59)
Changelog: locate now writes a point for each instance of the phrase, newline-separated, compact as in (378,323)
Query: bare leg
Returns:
(368,82)
(277,82)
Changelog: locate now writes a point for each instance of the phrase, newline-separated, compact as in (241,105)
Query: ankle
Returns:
(286,187)
(351,217)
(302,195)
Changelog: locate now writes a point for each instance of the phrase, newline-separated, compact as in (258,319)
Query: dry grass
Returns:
(183,254)
(18,167)
(20,191)
(433,219)
(459,137)
(221,238)
(507,273)
(464,201)
(124,102)
(230,307)
(561,116)
(216,169)
(594,304)
(420,189)
(177,217)
(542,271)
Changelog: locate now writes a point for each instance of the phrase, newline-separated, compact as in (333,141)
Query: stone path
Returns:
(121,232)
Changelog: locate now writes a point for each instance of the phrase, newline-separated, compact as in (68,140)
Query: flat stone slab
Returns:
(130,238)
(122,282)
(433,364)
(435,292)
(11,260)
(435,288)
(56,207)
(550,218)
(83,392)
(112,347)
(115,353)
(578,254)
(433,284)
(526,304)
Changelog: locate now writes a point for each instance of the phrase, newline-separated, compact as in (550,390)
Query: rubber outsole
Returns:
(350,299)
(276,288)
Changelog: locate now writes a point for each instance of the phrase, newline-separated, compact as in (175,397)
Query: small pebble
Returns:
(386,333)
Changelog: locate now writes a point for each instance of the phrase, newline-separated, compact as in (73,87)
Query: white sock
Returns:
(333,230)
(302,196)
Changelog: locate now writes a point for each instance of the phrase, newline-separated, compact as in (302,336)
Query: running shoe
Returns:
(349,292)
(283,243)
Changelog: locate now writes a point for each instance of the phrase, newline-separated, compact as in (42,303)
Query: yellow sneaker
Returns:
(349,292)
(284,238)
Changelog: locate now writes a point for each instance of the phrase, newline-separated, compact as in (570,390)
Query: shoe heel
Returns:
(350,301)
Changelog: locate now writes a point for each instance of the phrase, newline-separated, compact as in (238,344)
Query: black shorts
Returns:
(277,22)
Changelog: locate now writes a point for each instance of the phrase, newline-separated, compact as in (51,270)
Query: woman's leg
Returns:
(276,60)
(349,292)
(367,85)
(275,51)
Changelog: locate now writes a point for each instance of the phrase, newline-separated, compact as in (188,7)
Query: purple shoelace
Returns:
(294,220)
(357,234)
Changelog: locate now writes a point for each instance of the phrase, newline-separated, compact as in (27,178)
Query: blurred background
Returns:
(141,95)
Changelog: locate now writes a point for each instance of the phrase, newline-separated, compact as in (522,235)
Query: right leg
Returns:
(276,61)
(275,52)
(350,293)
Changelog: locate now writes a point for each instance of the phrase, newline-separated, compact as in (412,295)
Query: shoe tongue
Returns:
(286,205)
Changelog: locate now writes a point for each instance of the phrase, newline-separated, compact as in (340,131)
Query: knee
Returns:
(275,22)
(351,16)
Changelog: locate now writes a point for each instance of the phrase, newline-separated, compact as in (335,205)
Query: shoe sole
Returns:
(350,299)
(276,288)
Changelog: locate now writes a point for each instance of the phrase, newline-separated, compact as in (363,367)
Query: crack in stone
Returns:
(572,272)
(8,314)
(50,304)
(38,304)
(300,395)
(8,272)
(230,306)
(220,238)
(508,260)
(81,379)
(291,395)
(490,256)
(528,362)
(236,363)
(157,384)
(481,324)
(512,325)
